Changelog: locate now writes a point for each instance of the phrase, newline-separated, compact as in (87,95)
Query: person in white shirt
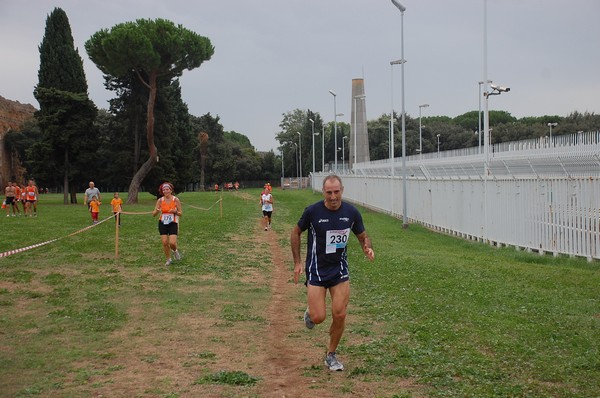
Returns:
(90,193)
(266,201)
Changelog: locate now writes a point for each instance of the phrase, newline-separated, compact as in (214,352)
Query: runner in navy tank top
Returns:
(329,223)
(328,234)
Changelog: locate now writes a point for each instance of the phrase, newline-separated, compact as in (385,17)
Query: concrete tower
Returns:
(358,146)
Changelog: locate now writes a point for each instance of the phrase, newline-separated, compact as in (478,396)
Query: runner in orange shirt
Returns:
(23,199)
(17,200)
(32,195)
(169,208)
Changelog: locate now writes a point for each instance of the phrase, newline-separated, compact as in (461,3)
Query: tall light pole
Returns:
(421,130)
(479,118)
(486,115)
(404,185)
(495,90)
(486,126)
(479,115)
(391,133)
(392,137)
(356,98)
(551,125)
(323,150)
(313,143)
(314,134)
(344,138)
(334,128)
(438,142)
(282,176)
(300,155)
(296,158)
(490,89)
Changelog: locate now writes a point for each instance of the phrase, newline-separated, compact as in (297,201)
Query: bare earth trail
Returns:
(150,359)
(295,354)
(286,356)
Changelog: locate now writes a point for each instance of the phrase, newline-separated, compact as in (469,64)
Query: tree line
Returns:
(70,141)
(454,133)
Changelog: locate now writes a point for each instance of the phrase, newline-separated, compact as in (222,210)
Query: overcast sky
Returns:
(274,56)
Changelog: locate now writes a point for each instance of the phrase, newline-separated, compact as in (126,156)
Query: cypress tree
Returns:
(66,113)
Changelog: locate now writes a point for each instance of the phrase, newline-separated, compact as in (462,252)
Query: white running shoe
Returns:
(332,362)
(177,255)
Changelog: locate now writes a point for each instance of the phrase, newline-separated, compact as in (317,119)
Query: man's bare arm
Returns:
(365,244)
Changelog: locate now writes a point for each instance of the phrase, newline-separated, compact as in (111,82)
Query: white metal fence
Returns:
(538,195)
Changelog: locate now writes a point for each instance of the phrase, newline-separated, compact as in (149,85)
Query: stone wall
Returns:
(13,115)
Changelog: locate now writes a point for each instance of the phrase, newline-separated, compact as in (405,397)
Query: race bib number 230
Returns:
(336,239)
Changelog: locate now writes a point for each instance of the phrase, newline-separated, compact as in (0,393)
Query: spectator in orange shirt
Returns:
(117,207)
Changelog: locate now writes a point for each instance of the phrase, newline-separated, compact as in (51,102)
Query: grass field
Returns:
(433,316)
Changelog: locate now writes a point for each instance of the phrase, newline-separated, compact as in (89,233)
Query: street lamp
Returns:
(391,135)
(438,142)
(313,143)
(334,128)
(282,175)
(401,8)
(420,130)
(300,155)
(495,90)
(314,134)
(338,115)
(296,157)
(486,125)
(343,154)
(479,115)
(551,125)
(356,97)
(323,149)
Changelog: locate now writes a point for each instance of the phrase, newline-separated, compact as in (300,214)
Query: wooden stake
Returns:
(117,235)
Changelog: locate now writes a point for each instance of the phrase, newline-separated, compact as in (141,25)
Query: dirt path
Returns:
(286,357)
(153,359)
(178,334)
(295,355)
